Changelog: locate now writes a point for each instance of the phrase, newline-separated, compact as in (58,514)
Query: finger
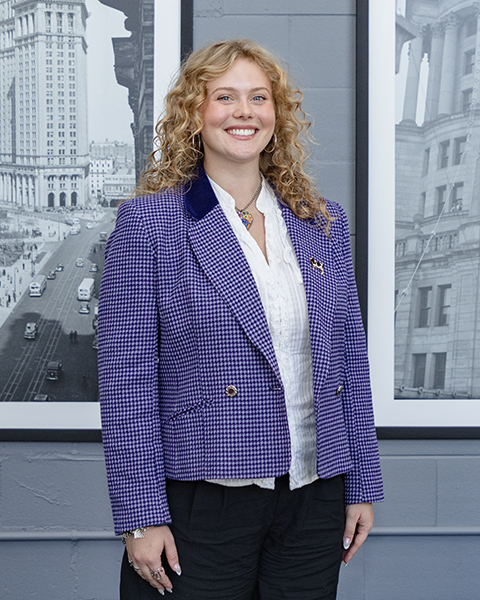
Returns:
(159,583)
(360,536)
(349,532)
(160,577)
(172,556)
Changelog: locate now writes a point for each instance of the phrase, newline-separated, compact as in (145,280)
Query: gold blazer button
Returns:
(231,391)
(339,390)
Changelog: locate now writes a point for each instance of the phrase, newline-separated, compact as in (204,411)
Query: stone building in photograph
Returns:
(437,325)
(134,70)
(43,103)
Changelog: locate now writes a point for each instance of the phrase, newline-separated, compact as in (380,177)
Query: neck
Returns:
(240,182)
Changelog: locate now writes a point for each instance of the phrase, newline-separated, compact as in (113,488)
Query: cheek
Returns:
(214,117)
(270,119)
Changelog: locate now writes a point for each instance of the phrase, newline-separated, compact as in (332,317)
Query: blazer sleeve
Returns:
(128,335)
(364,482)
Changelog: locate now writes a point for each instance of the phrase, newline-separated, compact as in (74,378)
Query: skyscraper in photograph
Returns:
(43,103)
(437,322)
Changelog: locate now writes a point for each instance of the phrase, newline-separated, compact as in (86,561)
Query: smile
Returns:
(244,132)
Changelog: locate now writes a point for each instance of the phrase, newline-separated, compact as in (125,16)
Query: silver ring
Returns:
(158,573)
(136,568)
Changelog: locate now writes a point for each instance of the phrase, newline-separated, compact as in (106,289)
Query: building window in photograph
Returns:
(424,306)
(467,96)
(457,197)
(440,363)
(426,160)
(443,154)
(419,364)
(469,62)
(441,193)
(443,304)
(459,149)
(423,200)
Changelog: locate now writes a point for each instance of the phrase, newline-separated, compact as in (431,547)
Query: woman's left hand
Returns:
(359,521)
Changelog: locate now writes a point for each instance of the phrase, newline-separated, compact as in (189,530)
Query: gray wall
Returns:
(56,539)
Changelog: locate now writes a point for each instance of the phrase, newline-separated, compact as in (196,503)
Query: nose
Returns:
(243,110)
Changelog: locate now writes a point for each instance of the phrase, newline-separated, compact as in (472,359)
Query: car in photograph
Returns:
(60,267)
(93,268)
(30,331)
(51,275)
(89,225)
(74,230)
(41,398)
(54,368)
(79,262)
(84,308)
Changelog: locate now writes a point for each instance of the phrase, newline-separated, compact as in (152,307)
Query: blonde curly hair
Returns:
(178,132)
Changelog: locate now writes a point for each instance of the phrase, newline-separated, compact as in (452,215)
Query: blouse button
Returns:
(339,390)
(231,391)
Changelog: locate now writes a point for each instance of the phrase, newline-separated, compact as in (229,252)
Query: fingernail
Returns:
(169,590)
(346,543)
(178,569)
(160,591)
(345,564)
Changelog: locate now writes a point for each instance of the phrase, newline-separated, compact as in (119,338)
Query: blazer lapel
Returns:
(316,260)
(221,257)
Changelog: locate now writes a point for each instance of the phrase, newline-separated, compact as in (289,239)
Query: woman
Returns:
(236,406)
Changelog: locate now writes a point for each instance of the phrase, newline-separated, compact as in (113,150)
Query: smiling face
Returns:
(239,116)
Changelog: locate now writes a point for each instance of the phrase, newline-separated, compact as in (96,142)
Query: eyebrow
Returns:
(233,89)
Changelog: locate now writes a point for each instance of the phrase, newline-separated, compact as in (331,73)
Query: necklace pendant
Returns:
(246,217)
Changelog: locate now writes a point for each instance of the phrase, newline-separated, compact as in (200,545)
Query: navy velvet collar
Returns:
(200,198)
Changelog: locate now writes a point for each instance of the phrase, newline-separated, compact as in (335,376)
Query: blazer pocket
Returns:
(184,444)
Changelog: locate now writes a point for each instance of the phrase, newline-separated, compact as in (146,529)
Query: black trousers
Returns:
(249,543)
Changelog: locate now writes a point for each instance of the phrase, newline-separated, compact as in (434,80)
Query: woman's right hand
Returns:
(144,555)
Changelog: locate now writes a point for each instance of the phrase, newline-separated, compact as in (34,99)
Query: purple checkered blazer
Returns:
(181,320)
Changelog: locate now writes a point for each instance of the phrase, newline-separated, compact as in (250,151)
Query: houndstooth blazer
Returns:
(189,384)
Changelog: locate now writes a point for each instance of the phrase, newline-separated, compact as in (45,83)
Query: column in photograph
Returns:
(434,72)
(415,56)
(445,102)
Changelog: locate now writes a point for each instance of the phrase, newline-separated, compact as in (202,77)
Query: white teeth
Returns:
(241,131)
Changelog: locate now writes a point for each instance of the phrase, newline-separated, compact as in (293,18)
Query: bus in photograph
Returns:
(85,289)
(38,285)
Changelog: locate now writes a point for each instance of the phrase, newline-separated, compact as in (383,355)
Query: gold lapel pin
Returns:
(316,264)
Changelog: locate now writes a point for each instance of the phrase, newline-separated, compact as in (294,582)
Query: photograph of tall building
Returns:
(43,106)
(437,182)
(67,159)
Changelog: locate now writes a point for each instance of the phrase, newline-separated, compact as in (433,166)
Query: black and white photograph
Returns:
(424,212)
(437,183)
(77,124)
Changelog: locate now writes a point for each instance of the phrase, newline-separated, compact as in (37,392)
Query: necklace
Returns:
(243,213)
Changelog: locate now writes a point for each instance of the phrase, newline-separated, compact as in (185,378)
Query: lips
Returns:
(241,132)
